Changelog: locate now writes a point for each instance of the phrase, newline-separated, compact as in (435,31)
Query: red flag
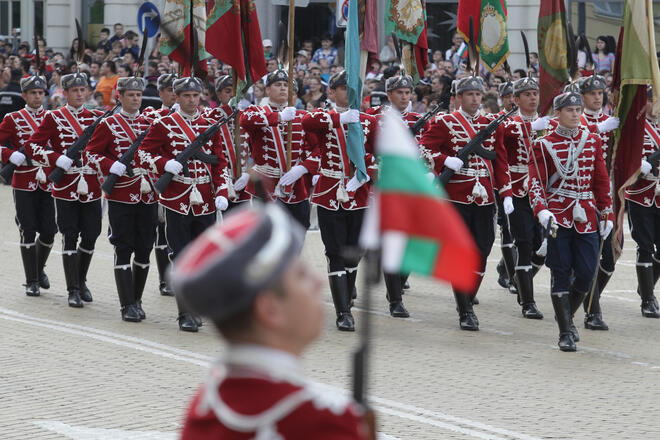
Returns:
(553,59)
(467,9)
(223,28)
(253,44)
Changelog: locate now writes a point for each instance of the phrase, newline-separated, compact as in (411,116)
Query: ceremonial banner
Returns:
(176,41)
(234,37)
(490,30)
(553,59)
(407,20)
(635,67)
(355,136)
(418,229)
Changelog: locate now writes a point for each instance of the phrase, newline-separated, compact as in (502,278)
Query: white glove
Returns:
(507,204)
(63,162)
(241,182)
(221,203)
(453,163)
(174,167)
(545,217)
(17,158)
(349,116)
(645,168)
(541,123)
(354,184)
(295,173)
(287,114)
(608,124)
(118,168)
(315,179)
(605,227)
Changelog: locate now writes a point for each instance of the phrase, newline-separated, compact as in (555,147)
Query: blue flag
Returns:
(355,137)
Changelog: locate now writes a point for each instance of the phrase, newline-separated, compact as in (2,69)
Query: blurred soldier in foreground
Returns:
(248,277)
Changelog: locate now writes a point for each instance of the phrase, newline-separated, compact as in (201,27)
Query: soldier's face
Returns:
(593,100)
(168,96)
(225,95)
(130,100)
(75,96)
(471,100)
(399,98)
(189,101)
(569,116)
(34,98)
(278,92)
(528,101)
(507,100)
(341,96)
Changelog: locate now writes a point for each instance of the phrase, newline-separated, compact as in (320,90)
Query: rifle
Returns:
(73,152)
(475,147)
(7,171)
(193,150)
(421,122)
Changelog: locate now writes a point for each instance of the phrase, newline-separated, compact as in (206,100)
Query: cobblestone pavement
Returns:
(85,374)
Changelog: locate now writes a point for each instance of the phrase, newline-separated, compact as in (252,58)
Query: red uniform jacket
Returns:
(58,131)
(15,130)
(592,120)
(335,169)
(233,163)
(169,136)
(583,181)
(108,144)
(517,136)
(644,190)
(475,182)
(266,140)
(152,114)
(410,117)
(259,393)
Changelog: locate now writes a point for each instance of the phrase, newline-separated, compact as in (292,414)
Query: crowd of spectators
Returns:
(116,53)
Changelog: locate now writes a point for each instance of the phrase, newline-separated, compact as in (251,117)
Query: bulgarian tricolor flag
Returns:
(417,229)
(553,59)
(177,39)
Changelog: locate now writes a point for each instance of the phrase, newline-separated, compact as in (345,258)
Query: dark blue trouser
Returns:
(572,253)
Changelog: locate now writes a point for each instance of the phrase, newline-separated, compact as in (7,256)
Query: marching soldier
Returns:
(399,89)
(237,163)
(268,317)
(266,129)
(78,194)
(643,198)
(518,135)
(168,99)
(190,202)
(35,210)
(593,90)
(570,188)
(340,197)
(132,209)
(506,266)
(472,186)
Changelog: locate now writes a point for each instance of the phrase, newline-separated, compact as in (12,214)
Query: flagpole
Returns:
(238,169)
(289,133)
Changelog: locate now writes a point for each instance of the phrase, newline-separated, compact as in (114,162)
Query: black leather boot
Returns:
(140,273)
(404,283)
(43,251)
(84,260)
(351,278)
(29,257)
(466,317)
(393,295)
(340,297)
(562,305)
(187,322)
(537,263)
(575,300)
(124,281)
(645,280)
(526,294)
(163,261)
(509,257)
(593,318)
(70,263)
